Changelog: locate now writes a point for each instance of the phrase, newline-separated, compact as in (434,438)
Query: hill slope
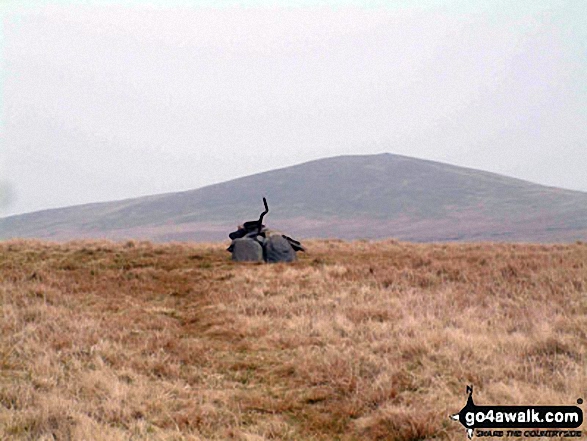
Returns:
(369,196)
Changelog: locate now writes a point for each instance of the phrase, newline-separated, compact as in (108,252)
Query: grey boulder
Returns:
(278,249)
(246,250)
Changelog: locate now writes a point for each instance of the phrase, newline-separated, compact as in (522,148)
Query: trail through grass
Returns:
(355,341)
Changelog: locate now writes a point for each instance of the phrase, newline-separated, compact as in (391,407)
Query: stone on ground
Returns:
(246,250)
(278,249)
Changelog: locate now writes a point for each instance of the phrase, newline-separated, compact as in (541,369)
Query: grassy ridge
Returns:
(352,197)
(103,340)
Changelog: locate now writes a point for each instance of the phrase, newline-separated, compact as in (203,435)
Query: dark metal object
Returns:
(297,246)
(260,224)
(256,231)
(251,226)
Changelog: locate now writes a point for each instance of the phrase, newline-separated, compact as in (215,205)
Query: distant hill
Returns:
(349,197)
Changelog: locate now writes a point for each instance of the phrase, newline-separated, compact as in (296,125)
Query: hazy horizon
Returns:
(113,100)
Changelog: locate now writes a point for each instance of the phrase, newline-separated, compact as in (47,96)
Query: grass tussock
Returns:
(362,340)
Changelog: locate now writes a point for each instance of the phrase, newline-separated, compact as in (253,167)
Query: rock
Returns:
(278,249)
(297,246)
(246,250)
(253,242)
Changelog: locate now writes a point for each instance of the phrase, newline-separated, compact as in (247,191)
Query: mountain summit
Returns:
(350,197)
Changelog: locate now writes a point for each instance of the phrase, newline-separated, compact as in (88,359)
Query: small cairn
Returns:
(254,242)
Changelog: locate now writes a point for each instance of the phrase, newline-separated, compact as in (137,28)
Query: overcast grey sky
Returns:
(106,100)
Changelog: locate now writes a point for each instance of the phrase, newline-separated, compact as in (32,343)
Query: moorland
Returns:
(366,340)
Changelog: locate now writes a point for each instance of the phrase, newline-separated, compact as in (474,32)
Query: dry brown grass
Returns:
(109,341)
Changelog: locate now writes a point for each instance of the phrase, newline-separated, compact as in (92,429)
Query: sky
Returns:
(106,100)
